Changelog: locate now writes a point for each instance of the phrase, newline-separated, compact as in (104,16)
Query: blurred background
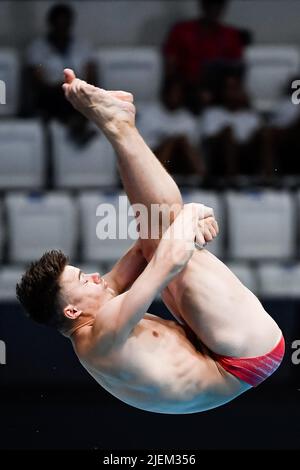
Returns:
(212,82)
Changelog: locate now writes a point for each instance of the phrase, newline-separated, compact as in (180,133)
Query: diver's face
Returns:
(87,292)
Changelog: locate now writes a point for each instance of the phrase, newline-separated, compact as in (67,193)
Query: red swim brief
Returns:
(253,370)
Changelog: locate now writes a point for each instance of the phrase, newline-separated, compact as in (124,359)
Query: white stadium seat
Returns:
(93,165)
(22,156)
(37,223)
(268,69)
(104,225)
(246,274)
(133,69)
(9,276)
(279,280)
(210,199)
(261,225)
(9,86)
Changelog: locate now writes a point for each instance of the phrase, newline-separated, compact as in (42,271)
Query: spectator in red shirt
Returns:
(200,48)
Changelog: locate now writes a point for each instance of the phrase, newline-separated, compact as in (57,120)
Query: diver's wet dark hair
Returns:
(39,290)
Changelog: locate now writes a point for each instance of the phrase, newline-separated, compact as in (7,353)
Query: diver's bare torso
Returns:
(158,369)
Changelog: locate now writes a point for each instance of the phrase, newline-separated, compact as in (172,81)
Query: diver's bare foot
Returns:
(112,111)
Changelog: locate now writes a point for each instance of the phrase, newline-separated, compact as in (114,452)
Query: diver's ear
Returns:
(72,312)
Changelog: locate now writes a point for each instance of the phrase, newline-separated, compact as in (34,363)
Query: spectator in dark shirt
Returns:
(284,131)
(47,56)
(235,136)
(171,131)
(197,49)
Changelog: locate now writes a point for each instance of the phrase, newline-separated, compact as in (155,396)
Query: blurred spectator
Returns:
(284,128)
(171,131)
(198,49)
(234,135)
(46,58)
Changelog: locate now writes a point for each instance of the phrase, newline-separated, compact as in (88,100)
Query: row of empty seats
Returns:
(95,226)
(269,280)
(139,70)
